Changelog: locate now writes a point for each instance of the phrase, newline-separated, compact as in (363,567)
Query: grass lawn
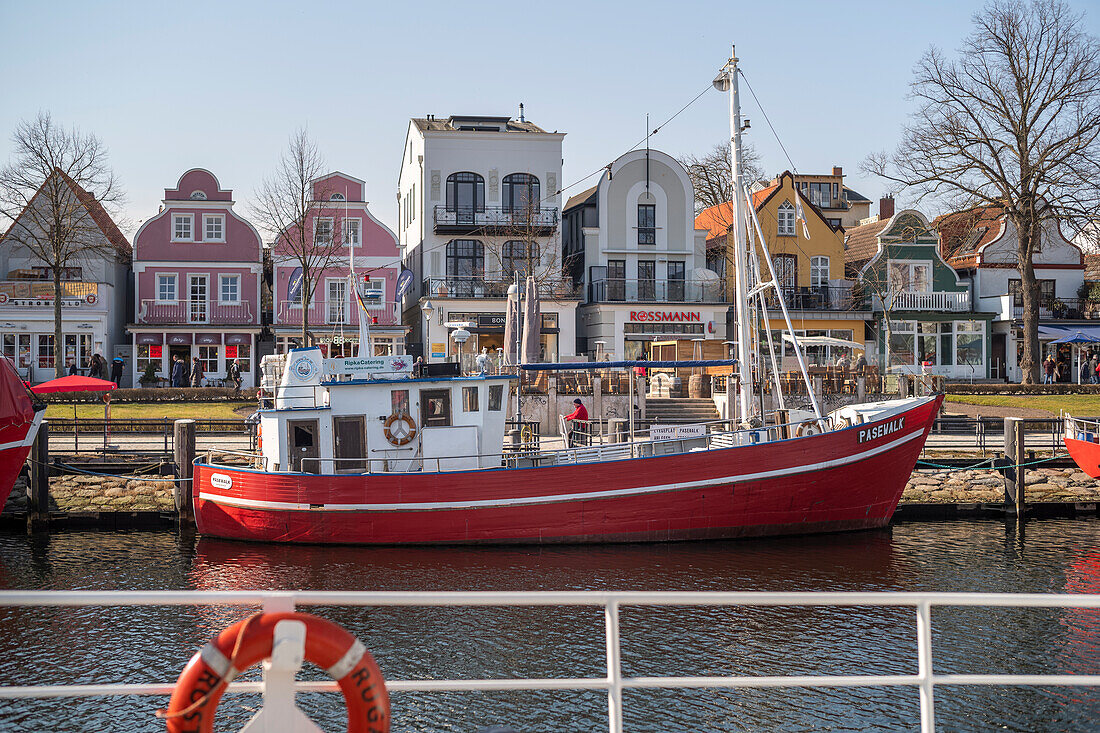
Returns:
(157,410)
(1077,404)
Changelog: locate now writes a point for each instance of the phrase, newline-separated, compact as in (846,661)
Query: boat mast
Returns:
(727,81)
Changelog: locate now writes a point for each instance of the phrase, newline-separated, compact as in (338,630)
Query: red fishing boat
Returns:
(1082,438)
(360,451)
(20,416)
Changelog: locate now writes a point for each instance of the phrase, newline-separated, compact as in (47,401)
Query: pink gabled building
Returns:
(197,283)
(333,313)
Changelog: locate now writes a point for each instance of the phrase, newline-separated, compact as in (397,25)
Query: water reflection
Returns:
(151,644)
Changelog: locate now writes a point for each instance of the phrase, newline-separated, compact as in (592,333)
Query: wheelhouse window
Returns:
(496,397)
(521,193)
(518,256)
(785,218)
(647,224)
(465,192)
(469,399)
(181,228)
(819,271)
(213,228)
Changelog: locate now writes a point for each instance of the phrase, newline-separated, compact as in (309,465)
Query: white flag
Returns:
(801,216)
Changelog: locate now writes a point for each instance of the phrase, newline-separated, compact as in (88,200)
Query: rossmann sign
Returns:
(666,317)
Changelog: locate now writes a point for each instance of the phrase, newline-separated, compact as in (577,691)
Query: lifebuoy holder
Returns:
(400,429)
(807,429)
(284,639)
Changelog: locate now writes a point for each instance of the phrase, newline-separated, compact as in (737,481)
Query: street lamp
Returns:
(460,336)
(427,309)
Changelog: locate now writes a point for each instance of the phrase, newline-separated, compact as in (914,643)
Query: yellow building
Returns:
(810,270)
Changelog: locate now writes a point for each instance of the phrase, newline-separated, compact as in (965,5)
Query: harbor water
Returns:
(151,644)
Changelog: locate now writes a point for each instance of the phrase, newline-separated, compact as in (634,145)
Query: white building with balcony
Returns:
(478,205)
(980,244)
(93,296)
(923,315)
(631,245)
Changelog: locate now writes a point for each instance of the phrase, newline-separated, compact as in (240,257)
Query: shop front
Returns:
(153,352)
(627,331)
(487,332)
(934,343)
(30,345)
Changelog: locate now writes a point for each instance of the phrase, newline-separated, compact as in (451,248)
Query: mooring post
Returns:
(861,388)
(183,442)
(1021,484)
(38,490)
(1014,480)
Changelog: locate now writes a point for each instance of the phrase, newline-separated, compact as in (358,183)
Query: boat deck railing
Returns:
(615,681)
(655,440)
(1081,429)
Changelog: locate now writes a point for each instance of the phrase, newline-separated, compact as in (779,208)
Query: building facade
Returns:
(809,270)
(980,244)
(924,320)
(479,207)
(839,205)
(93,294)
(631,246)
(341,216)
(197,279)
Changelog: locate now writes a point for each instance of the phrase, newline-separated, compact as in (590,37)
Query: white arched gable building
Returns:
(631,242)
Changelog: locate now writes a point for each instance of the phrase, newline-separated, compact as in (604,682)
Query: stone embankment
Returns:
(76,493)
(1044,485)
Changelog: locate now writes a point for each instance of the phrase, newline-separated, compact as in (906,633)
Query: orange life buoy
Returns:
(807,429)
(400,429)
(331,647)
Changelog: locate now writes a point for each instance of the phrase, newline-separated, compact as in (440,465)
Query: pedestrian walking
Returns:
(116,371)
(233,374)
(1048,370)
(95,371)
(196,372)
(177,371)
(73,371)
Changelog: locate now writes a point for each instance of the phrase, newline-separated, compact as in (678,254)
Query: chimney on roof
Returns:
(885,207)
(838,171)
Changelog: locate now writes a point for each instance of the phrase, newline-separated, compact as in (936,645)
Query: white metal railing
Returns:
(937,300)
(1080,429)
(209,311)
(614,682)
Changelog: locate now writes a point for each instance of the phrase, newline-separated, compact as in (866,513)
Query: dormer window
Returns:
(336,197)
(198,196)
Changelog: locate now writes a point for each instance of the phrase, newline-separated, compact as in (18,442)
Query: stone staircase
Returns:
(679,410)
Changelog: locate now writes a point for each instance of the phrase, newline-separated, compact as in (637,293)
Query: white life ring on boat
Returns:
(331,647)
(400,429)
(807,429)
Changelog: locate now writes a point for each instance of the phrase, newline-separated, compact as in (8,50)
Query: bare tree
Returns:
(711,178)
(54,190)
(288,204)
(1013,122)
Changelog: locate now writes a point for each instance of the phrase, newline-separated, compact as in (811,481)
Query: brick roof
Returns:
(95,209)
(861,244)
(1092,267)
(717,219)
(963,233)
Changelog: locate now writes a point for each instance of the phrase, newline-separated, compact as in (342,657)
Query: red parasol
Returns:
(74,384)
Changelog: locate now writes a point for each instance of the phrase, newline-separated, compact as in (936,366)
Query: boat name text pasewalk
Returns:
(880,430)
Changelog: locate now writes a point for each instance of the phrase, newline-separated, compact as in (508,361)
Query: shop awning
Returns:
(824,341)
(149,338)
(179,339)
(1049,333)
(207,339)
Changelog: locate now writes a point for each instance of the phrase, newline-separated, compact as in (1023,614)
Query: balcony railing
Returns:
(819,298)
(613,290)
(333,312)
(1067,308)
(493,287)
(495,218)
(908,300)
(172,312)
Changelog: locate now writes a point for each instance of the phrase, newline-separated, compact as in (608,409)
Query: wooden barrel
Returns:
(699,386)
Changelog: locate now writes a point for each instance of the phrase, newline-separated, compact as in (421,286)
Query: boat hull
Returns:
(15,446)
(1085,454)
(855,482)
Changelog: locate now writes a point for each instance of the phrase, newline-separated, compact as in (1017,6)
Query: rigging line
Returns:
(770,126)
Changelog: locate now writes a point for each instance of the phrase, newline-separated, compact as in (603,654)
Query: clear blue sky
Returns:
(221,85)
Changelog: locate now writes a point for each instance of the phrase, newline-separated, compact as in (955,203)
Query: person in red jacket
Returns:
(578,434)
